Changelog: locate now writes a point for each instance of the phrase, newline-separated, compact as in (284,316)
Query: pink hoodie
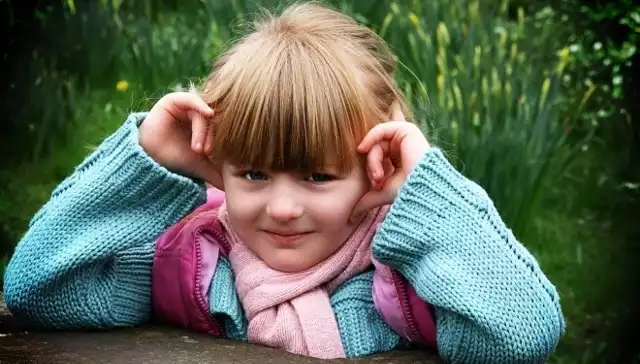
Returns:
(185,261)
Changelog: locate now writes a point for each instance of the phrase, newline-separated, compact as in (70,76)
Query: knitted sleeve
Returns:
(85,261)
(493,303)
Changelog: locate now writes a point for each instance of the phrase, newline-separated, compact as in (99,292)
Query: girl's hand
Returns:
(177,134)
(393,149)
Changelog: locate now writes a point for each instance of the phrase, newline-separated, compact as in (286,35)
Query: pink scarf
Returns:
(292,311)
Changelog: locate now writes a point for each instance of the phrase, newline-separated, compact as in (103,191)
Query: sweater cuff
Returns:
(126,165)
(132,269)
(433,191)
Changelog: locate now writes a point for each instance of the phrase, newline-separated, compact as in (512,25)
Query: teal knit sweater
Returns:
(85,261)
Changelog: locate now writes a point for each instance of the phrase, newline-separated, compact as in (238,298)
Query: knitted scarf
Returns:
(292,311)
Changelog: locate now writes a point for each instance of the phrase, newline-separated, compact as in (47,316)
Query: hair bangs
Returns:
(297,107)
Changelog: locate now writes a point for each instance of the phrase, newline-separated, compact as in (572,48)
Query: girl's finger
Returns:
(389,169)
(191,101)
(198,131)
(208,143)
(374,163)
(381,132)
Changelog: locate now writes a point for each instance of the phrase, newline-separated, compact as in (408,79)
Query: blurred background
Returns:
(535,100)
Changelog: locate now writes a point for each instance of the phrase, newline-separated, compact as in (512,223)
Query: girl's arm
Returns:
(493,303)
(85,261)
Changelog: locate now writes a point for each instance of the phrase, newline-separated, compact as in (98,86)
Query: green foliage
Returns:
(602,44)
(610,53)
(49,79)
(607,59)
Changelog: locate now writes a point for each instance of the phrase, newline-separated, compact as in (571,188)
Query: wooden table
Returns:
(154,344)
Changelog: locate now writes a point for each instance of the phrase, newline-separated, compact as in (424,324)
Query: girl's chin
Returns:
(289,264)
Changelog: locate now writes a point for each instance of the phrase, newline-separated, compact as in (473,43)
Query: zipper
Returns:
(401,289)
(217,328)
(222,240)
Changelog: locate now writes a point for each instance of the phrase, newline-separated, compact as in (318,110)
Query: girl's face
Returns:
(292,221)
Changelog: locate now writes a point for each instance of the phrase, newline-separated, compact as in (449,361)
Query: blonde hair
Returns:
(300,91)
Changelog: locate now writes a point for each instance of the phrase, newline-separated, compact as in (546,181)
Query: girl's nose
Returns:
(284,209)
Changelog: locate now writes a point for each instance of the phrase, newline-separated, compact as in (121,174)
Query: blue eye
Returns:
(254,175)
(320,178)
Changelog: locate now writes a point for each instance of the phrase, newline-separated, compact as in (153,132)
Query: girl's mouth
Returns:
(285,238)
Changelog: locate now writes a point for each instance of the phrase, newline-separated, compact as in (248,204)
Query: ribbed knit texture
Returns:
(493,303)
(362,329)
(224,300)
(86,260)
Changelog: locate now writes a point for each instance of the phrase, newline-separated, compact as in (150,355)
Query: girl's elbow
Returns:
(18,297)
(535,340)
(24,296)
(509,338)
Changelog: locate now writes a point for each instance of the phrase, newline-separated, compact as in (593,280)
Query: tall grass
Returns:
(494,96)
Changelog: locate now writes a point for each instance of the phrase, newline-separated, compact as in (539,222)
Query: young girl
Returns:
(333,229)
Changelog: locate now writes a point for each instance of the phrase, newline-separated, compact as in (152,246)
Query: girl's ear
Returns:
(213,174)
(213,177)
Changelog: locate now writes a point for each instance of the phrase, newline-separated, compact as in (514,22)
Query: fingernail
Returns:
(198,146)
